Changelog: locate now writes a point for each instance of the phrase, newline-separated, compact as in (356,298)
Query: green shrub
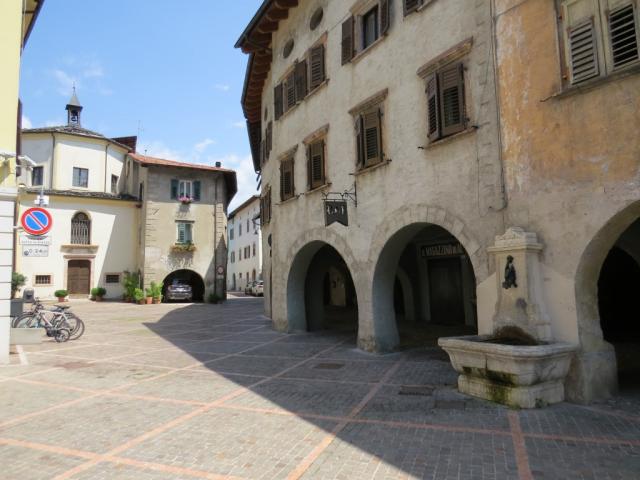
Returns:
(148,292)
(156,289)
(17,280)
(102,291)
(60,293)
(213,298)
(94,291)
(131,282)
(138,294)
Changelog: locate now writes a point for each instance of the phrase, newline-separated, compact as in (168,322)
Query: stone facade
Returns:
(556,159)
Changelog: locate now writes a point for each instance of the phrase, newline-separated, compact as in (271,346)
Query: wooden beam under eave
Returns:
(262,39)
(277,14)
(286,3)
(267,26)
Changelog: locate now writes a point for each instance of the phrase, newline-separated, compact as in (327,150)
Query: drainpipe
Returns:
(215,236)
(53,160)
(106,160)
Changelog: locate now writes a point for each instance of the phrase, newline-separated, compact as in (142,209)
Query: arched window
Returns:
(80,229)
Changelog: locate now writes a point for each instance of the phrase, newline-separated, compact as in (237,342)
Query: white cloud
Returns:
(159,149)
(65,82)
(243,165)
(202,146)
(222,87)
(239,124)
(54,123)
(26,123)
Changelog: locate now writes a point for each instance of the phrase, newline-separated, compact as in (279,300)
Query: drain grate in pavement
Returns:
(329,366)
(417,391)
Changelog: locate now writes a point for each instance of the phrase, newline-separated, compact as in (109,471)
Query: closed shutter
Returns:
(278,100)
(174,188)
(269,205)
(317,66)
(290,91)
(410,6)
(309,168)
(623,36)
(300,74)
(317,163)
(359,126)
(196,190)
(269,139)
(583,52)
(372,138)
(286,179)
(347,40)
(433,112)
(452,111)
(385,16)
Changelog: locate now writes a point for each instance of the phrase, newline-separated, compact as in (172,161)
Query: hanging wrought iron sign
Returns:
(335,206)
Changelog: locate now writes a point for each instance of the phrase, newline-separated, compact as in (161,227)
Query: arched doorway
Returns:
(424,288)
(321,294)
(190,278)
(618,307)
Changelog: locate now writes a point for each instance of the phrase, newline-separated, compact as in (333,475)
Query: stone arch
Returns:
(301,252)
(392,235)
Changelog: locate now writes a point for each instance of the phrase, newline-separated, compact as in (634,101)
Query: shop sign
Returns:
(447,250)
(336,211)
(35,250)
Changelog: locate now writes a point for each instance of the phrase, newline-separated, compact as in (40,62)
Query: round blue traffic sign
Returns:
(36,221)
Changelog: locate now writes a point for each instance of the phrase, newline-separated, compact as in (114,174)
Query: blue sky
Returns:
(166,67)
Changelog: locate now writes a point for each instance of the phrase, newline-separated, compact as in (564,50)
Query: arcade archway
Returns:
(190,278)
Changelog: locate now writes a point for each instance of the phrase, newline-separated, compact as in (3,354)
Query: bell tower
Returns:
(74,109)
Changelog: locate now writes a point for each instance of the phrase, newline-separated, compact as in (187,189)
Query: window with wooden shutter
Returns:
(347,40)
(372,137)
(359,127)
(174,188)
(411,6)
(316,60)
(451,87)
(623,35)
(268,204)
(286,180)
(278,100)
(385,16)
(433,112)
(269,139)
(583,52)
(196,190)
(300,74)
(290,91)
(316,164)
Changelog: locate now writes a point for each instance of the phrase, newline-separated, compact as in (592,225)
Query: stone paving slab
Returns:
(250,365)
(24,464)
(19,399)
(111,471)
(341,370)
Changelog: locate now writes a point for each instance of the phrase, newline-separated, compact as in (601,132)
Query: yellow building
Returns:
(17,18)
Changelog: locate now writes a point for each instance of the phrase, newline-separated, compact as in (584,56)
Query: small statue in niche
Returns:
(509,275)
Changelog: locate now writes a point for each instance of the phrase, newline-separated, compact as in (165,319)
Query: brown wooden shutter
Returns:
(624,37)
(452,111)
(317,66)
(277,99)
(433,112)
(385,16)
(309,169)
(360,141)
(317,163)
(290,91)
(410,6)
(372,137)
(283,195)
(269,138)
(347,40)
(300,74)
(583,52)
(269,205)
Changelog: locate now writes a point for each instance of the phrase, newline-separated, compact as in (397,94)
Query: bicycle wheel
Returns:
(78,328)
(24,320)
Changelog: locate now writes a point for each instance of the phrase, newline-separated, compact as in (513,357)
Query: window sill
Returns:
(594,83)
(363,53)
(364,170)
(420,7)
(310,94)
(322,187)
(288,200)
(450,138)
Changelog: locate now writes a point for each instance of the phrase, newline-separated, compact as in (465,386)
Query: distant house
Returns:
(244,262)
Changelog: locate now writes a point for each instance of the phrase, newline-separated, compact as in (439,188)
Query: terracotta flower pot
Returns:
(149,300)
(156,301)
(62,299)
(141,302)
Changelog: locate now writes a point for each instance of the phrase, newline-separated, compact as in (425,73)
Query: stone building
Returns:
(397,143)
(244,262)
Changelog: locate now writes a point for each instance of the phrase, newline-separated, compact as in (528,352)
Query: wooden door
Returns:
(445,289)
(79,277)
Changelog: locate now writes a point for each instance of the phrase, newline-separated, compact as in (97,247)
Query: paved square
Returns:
(212,391)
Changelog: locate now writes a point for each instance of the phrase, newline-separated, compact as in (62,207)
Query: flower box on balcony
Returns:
(183,247)
(185,200)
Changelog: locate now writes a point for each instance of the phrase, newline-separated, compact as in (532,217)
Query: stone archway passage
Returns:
(189,277)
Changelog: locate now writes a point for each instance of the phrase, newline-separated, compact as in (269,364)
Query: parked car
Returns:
(257,290)
(248,288)
(179,290)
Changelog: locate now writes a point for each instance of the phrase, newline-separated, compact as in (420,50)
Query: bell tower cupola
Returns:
(74,109)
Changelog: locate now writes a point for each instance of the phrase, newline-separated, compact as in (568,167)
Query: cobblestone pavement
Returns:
(207,391)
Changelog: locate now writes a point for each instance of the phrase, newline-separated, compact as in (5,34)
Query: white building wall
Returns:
(242,240)
(7,206)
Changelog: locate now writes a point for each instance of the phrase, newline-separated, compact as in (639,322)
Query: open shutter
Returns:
(269,205)
(359,126)
(317,163)
(290,91)
(317,66)
(347,40)
(410,6)
(385,16)
(372,144)
(174,189)
(283,195)
(269,139)
(309,168)
(278,100)
(301,80)
(196,190)
(432,108)
(583,52)
(452,111)
(623,36)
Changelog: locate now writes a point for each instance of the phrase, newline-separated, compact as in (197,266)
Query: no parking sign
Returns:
(36,221)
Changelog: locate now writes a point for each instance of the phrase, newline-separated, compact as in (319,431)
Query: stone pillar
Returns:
(519,283)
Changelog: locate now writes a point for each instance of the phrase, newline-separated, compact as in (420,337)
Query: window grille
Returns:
(80,229)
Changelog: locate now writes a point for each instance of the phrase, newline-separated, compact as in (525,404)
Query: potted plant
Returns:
(130,283)
(148,296)
(187,247)
(17,280)
(61,295)
(138,296)
(185,199)
(213,298)
(156,292)
(98,293)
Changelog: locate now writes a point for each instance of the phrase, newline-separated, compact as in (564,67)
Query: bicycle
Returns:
(62,325)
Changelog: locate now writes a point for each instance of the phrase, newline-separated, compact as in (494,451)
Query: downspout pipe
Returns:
(215,235)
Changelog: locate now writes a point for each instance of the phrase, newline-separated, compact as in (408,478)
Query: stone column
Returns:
(519,283)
